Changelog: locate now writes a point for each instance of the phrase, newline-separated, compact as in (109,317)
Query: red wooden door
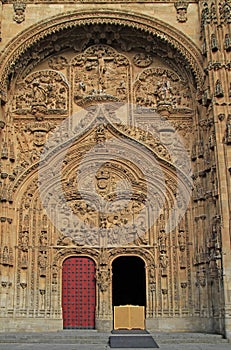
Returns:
(78,293)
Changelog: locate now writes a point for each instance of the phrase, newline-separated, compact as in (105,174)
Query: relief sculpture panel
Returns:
(100,74)
(42,93)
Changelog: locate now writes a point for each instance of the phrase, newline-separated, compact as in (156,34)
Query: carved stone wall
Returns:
(114,142)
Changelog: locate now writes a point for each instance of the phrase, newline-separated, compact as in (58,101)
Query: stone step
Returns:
(179,338)
(64,337)
(99,338)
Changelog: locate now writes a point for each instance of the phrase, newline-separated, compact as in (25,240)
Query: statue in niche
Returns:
(152,277)
(24,240)
(163,264)
(214,43)
(228,130)
(162,241)
(43,238)
(218,89)
(227,44)
(181,240)
(42,263)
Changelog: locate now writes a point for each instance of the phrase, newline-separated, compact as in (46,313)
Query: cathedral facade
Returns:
(115,133)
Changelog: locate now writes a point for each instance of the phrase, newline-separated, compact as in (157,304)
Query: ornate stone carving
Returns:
(227,42)
(213,13)
(214,43)
(57,62)
(93,72)
(225,11)
(219,92)
(19,12)
(42,262)
(41,93)
(180,41)
(228,130)
(142,60)
(103,279)
(158,86)
(181,10)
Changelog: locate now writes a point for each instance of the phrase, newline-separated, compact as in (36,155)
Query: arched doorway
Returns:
(78,293)
(128,281)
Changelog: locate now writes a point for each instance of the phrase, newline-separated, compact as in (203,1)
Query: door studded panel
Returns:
(78,293)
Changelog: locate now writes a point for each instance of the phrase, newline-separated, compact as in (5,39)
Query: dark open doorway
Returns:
(128,281)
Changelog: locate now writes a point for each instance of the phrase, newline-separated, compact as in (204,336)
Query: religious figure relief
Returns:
(100,74)
(181,10)
(162,241)
(41,93)
(141,232)
(181,240)
(5,255)
(163,90)
(201,277)
(19,12)
(156,86)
